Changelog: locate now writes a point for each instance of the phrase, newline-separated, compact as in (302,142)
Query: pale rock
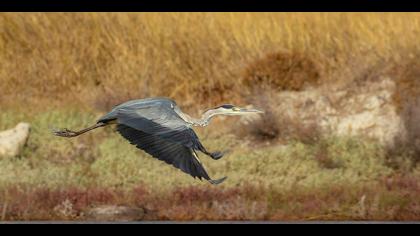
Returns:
(366,110)
(116,213)
(13,140)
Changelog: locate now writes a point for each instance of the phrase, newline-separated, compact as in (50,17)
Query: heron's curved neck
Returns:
(204,120)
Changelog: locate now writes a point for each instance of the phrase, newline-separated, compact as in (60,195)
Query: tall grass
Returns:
(98,59)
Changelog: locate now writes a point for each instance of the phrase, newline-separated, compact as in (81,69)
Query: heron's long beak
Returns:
(246,110)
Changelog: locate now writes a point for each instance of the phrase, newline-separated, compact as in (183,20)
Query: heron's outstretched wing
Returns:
(154,126)
(160,120)
(173,153)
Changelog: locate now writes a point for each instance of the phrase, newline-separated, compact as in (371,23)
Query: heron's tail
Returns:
(217,181)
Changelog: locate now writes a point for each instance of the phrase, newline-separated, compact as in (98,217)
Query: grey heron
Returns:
(161,129)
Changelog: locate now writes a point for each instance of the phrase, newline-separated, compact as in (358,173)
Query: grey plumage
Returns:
(161,129)
(154,126)
(173,153)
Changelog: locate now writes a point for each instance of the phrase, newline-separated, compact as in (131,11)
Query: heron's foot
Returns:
(217,155)
(217,181)
(65,133)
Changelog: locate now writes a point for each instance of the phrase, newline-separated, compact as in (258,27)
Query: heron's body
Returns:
(156,104)
(160,128)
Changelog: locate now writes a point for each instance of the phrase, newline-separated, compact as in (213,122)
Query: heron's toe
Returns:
(216,155)
(64,133)
(217,181)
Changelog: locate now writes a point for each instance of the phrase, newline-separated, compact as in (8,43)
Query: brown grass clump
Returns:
(407,78)
(274,127)
(405,152)
(268,128)
(273,73)
(324,159)
(282,71)
(407,101)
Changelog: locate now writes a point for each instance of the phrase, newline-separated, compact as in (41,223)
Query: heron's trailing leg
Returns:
(214,155)
(69,134)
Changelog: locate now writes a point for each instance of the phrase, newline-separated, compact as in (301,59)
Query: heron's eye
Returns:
(236,108)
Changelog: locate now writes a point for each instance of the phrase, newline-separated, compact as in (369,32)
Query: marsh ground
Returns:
(65,70)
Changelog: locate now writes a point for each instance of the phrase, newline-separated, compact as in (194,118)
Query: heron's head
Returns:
(232,110)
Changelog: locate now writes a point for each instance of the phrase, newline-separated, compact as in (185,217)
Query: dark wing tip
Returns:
(217,181)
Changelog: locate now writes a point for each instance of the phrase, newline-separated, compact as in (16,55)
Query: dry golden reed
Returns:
(94,60)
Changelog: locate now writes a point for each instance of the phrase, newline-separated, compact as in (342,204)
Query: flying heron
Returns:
(160,128)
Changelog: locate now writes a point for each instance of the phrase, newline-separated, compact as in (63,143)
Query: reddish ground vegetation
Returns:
(392,198)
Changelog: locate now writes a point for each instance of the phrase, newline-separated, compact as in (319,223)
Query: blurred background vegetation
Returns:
(67,69)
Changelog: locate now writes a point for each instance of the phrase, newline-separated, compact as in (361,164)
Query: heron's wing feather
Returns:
(175,154)
(161,121)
